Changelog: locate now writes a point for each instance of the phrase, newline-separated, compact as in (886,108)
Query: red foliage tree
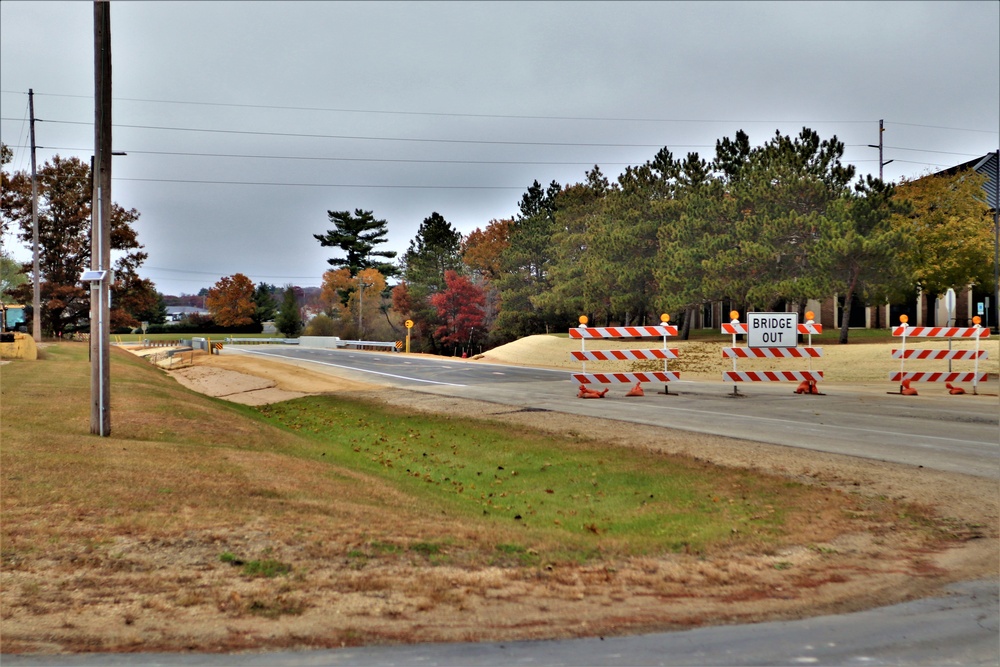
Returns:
(461,307)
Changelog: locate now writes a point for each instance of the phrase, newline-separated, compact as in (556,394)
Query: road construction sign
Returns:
(772,329)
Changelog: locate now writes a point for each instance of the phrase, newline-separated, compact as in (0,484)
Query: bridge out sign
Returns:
(772,329)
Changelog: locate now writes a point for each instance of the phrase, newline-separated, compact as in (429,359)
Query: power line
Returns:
(450,114)
(325,185)
(131,151)
(301,135)
(941,127)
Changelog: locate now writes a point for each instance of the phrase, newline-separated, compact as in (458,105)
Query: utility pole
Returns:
(996,242)
(100,239)
(361,306)
(36,288)
(881,129)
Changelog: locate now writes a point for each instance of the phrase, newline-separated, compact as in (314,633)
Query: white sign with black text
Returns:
(772,329)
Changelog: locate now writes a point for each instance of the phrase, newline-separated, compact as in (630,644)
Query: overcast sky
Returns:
(245,122)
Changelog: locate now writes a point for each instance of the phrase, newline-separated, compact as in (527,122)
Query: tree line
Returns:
(758,227)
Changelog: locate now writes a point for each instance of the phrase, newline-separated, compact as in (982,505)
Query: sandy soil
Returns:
(837,565)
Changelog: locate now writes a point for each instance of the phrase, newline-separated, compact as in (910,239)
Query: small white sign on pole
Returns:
(772,329)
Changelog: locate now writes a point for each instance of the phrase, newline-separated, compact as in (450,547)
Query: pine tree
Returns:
(289,321)
(358,235)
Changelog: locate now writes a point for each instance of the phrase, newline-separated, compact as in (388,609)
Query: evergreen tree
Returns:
(358,235)
(771,214)
(289,320)
(578,208)
(524,265)
(265,305)
(433,251)
(862,250)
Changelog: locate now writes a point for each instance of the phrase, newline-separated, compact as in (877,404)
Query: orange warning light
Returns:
(904,318)
(583,320)
(977,319)
(734,314)
(810,314)
(664,318)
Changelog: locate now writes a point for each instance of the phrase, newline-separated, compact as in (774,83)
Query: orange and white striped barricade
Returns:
(584,333)
(975,332)
(789,325)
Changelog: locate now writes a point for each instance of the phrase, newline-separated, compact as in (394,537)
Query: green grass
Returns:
(583,492)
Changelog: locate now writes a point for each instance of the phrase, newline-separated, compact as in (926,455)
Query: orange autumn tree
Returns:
(342,300)
(482,248)
(230,301)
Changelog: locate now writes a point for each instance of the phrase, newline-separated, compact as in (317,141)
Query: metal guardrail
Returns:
(362,344)
(334,343)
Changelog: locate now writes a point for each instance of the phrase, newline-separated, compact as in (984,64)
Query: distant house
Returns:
(178,313)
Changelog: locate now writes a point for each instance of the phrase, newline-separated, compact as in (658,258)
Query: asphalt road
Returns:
(958,434)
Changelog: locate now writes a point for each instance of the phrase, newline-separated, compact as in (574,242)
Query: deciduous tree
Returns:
(483,248)
(64,224)
(460,309)
(231,302)
(953,229)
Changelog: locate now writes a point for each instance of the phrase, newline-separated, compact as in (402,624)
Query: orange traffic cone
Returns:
(636,390)
(590,393)
(807,387)
(954,391)
(907,390)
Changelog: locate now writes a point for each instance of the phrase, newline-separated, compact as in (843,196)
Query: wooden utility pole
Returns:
(996,243)
(881,129)
(36,288)
(100,239)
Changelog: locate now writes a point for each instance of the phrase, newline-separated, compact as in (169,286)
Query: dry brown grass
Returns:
(114,544)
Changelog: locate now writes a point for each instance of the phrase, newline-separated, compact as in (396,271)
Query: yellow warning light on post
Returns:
(665,317)
(583,320)
(904,318)
(976,320)
(810,315)
(734,314)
